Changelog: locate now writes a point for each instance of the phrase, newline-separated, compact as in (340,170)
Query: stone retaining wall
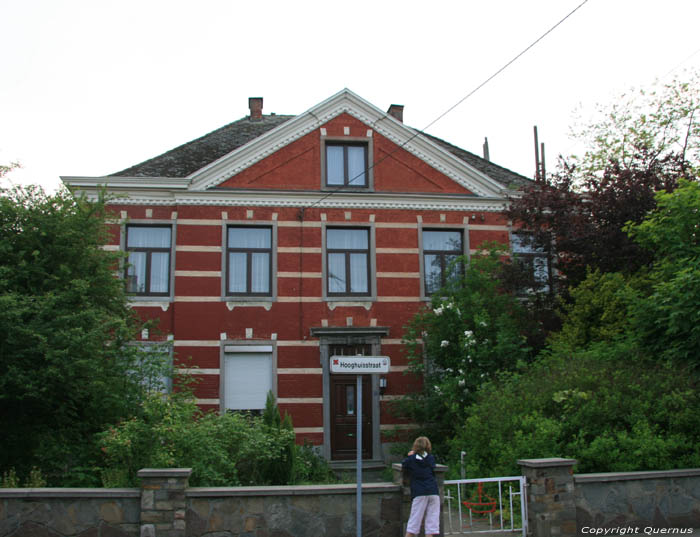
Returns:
(70,512)
(668,499)
(304,511)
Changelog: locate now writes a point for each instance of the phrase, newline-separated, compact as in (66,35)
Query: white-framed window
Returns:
(346,164)
(249,260)
(348,264)
(247,377)
(440,250)
(149,259)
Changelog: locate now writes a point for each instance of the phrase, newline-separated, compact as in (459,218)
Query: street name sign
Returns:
(360,365)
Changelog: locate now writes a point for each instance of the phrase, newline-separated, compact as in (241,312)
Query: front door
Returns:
(344,408)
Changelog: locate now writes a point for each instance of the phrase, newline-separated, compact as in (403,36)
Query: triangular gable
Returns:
(348,102)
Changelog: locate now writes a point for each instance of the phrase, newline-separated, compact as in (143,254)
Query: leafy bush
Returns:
(222,449)
(471,331)
(229,449)
(608,406)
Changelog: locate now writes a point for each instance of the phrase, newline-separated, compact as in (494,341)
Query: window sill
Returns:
(248,302)
(150,302)
(345,302)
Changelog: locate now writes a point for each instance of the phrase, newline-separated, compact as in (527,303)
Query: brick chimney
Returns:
(396,111)
(256,105)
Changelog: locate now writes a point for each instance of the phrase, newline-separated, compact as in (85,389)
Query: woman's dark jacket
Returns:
(420,469)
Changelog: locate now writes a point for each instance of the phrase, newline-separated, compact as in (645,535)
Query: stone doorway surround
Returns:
(350,335)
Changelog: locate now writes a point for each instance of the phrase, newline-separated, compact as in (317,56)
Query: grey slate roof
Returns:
(192,156)
(494,171)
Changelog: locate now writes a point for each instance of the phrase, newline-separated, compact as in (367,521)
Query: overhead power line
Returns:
(467,96)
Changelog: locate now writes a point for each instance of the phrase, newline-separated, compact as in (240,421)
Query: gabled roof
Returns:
(205,163)
(186,159)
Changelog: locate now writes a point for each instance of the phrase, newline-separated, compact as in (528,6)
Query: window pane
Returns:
(335,168)
(448,241)
(540,269)
(237,272)
(356,165)
(350,400)
(148,237)
(247,379)
(249,237)
(136,273)
(358,273)
(432,273)
(347,239)
(336,273)
(160,269)
(260,273)
(452,267)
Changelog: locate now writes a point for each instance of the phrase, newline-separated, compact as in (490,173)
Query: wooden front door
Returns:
(344,408)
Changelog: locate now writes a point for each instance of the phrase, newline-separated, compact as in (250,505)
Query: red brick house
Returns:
(275,242)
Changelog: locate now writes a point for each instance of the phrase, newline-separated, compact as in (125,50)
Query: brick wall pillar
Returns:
(551,507)
(163,501)
(402,478)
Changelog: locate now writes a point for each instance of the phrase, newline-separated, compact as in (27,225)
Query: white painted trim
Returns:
(280,199)
(208,401)
(412,251)
(199,222)
(300,400)
(399,299)
(297,343)
(308,430)
(299,275)
(300,371)
(198,371)
(198,299)
(197,248)
(298,250)
(196,343)
(198,273)
(398,274)
(348,102)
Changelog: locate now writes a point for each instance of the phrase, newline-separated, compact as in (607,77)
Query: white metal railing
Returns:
(470,509)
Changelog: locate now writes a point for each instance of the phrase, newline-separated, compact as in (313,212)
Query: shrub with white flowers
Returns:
(470,331)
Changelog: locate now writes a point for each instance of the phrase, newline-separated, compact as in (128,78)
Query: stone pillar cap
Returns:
(543,463)
(164,472)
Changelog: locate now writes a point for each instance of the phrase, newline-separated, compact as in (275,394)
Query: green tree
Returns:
(605,405)
(642,143)
(471,330)
(666,320)
(644,127)
(66,367)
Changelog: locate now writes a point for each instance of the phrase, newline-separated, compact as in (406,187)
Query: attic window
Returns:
(346,164)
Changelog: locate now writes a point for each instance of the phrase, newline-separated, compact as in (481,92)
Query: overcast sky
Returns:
(92,87)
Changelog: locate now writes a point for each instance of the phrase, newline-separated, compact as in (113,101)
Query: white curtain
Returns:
(249,237)
(148,237)
(136,274)
(335,168)
(358,273)
(237,272)
(160,271)
(260,273)
(446,241)
(336,273)
(356,165)
(347,239)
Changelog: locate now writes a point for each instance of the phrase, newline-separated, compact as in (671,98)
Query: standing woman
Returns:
(425,497)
